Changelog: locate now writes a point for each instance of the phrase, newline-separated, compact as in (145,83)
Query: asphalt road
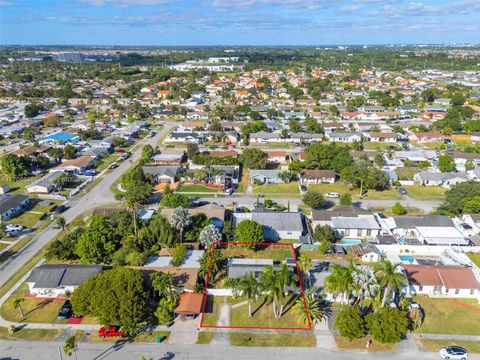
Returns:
(101,194)
(13,350)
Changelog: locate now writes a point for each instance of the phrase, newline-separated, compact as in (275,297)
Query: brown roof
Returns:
(211,211)
(344,211)
(452,277)
(29,150)
(183,278)
(357,250)
(271,154)
(190,303)
(222,153)
(383,135)
(81,161)
(319,174)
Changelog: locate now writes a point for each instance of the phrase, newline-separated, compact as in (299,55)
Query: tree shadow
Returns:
(289,304)
(264,301)
(39,306)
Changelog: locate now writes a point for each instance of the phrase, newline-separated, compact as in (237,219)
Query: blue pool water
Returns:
(408,258)
(351,241)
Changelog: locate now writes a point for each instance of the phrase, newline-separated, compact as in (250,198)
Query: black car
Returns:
(59,209)
(65,311)
(402,191)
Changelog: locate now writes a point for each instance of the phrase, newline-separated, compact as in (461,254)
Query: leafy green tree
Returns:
(13,166)
(197,224)
(340,280)
(456,197)
(470,164)
(98,242)
(162,283)
(115,297)
(29,135)
(209,235)
(363,173)
(350,322)
(32,110)
(457,99)
(324,233)
(249,232)
(147,153)
(70,346)
(390,278)
(162,231)
(165,309)
(379,160)
(446,163)
(472,206)
(345,199)
(313,199)
(178,254)
(304,265)
(253,158)
(215,266)
(136,193)
(175,200)
(398,209)
(388,325)
(64,249)
(331,156)
(180,220)
(308,312)
(250,290)
(69,151)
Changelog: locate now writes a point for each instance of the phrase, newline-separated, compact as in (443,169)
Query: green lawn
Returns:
(102,164)
(419,192)
(152,336)
(338,187)
(390,194)
(32,215)
(35,310)
(275,253)
(274,340)
(30,334)
(197,189)
(205,337)
(210,318)
(290,188)
(262,315)
(475,257)
(443,316)
(15,248)
(436,345)
(406,173)
(344,343)
(411,210)
(18,187)
(379,145)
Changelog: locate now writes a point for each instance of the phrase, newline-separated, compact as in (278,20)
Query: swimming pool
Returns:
(407,258)
(351,241)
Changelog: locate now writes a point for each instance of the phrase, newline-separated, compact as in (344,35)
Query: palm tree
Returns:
(272,286)
(70,346)
(17,303)
(365,284)
(180,220)
(390,278)
(340,282)
(250,289)
(61,222)
(304,265)
(308,311)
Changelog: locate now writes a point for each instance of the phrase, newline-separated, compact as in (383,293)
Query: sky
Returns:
(238,22)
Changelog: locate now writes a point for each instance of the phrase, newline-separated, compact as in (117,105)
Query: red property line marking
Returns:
(207,279)
(471,307)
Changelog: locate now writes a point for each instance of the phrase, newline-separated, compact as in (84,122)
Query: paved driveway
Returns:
(184,331)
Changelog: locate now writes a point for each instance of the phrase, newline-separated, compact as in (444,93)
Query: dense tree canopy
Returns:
(253,159)
(331,156)
(249,231)
(364,173)
(456,197)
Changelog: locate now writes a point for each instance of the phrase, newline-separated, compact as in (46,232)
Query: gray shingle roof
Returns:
(8,202)
(411,222)
(59,276)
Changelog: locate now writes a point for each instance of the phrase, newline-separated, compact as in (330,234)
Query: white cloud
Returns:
(6,3)
(125,3)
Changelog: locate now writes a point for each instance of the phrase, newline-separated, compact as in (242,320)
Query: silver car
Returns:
(454,353)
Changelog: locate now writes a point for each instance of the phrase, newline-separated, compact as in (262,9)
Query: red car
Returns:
(121,151)
(112,331)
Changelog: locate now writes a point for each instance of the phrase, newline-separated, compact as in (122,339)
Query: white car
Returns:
(454,353)
(332,195)
(13,227)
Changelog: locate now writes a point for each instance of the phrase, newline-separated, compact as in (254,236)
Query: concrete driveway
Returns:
(184,331)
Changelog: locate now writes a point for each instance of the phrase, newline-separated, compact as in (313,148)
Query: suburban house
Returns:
(446,180)
(345,137)
(265,176)
(263,137)
(238,268)
(215,213)
(366,252)
(190,304)
(361,226)
(161,174)
(77,165)
(59,138)
(168,158)
(442,281)
(427,229)
(425,137)
(44,185)
(317,176)
(416,155)
(185,137)
(324,217)
(11,205)
(276,225)
(56,280)
(278,157)
(389,137)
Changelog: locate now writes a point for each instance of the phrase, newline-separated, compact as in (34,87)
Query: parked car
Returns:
(153,133)
(454,353)
(229,191)
(303,187)
(402,191)
(65,311)
(332,195)
(13,227)
(112,331)
(113,166)
(59,209)
(120,151)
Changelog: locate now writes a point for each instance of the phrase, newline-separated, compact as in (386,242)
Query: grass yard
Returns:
(35,310)
(406,173)
(15,248)
(18,187)
(3,246)
(419,192)
(275,340)
(443,316)
(338,187)
(197,189)
(390,194)
(262,315)
(411,210)
(344,343)
(434,145)
(290,188)
(382,146)
(436,345)
(210,318)
(475,257)
(152,336)
(29,334)
(276,253)
(32,215)
(106,161)
(205,337)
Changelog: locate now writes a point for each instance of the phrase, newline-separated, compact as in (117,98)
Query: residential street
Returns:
(99,195)
(13,350)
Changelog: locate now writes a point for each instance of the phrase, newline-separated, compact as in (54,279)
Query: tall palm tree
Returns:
(304,265)
(309,312)
(272,287)
(250,290)
(390,278)
(340,282)
(61,222)
(365,284)
(17,304)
